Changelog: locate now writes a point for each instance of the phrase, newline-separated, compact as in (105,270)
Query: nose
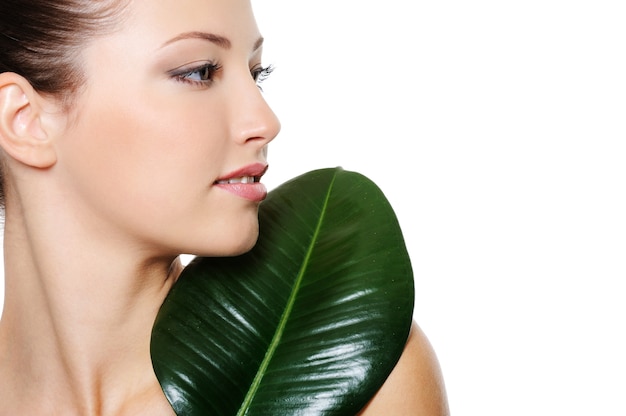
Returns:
(253,119)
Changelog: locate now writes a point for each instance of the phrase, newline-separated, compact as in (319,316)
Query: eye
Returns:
(200,75)
(261,73)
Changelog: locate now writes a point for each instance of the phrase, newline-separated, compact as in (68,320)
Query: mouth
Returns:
(248,174)
(241,179)
(245,182)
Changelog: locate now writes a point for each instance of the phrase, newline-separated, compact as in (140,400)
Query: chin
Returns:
(236,241)
(242,236)
(244,245)
(233,236)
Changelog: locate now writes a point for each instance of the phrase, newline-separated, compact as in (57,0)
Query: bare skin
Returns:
(103,197)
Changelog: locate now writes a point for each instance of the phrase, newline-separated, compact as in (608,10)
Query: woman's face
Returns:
(170,114)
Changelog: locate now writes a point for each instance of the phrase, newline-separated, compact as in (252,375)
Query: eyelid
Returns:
(190,66)
(183,72)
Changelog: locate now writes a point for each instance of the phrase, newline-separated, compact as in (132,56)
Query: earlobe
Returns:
(22,136)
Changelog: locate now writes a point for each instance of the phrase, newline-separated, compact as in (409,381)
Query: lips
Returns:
(245,182)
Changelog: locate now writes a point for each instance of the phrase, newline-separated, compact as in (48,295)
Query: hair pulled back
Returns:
(41,40)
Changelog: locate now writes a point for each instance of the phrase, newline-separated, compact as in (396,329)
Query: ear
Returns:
(22,135)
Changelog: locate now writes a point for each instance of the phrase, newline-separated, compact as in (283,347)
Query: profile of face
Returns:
(170,128)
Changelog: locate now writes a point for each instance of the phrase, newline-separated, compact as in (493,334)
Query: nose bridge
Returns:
(251,116)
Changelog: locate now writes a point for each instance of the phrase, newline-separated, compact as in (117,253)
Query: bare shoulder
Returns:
(415,387)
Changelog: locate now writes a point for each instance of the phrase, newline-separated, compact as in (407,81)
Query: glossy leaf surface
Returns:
(310,322)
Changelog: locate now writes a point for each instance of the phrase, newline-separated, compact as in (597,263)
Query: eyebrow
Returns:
(258,43)
(220,41)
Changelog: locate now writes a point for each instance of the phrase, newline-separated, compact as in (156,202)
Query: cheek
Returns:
(157,167)
(138,145)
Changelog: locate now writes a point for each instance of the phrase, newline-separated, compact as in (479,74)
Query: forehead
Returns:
(164,19)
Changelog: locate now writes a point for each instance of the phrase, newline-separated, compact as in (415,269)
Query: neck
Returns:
(77,317)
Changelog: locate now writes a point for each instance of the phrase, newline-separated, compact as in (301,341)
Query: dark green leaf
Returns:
(310,322)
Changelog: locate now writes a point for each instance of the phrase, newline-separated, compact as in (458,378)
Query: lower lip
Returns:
(255,192)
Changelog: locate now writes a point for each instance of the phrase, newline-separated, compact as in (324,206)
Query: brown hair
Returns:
(41,40)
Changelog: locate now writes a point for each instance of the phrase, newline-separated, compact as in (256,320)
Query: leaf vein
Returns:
(273,346)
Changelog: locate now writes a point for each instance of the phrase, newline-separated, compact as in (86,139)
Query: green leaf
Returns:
(310,322)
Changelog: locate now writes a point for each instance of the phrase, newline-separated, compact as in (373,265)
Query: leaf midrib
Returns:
(280,329)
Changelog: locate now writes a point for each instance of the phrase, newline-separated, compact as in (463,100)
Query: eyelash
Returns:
(260,74)
(207,72)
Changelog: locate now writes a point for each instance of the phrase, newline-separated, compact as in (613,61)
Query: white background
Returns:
(497,130)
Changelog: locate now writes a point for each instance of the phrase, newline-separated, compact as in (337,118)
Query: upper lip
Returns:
(254,170)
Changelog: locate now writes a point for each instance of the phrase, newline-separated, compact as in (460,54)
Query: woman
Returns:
(131,131)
